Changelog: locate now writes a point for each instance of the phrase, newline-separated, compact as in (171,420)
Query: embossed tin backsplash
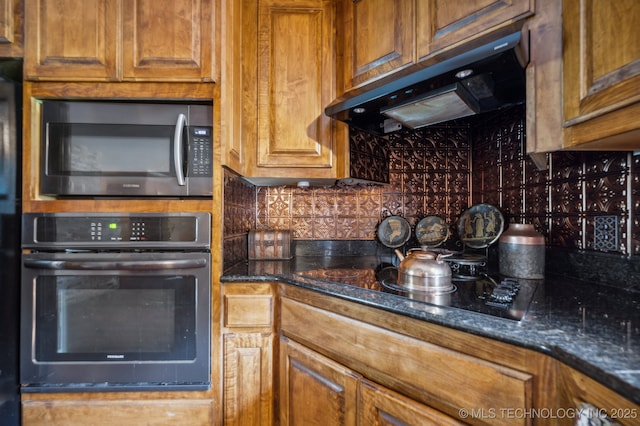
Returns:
(442,170)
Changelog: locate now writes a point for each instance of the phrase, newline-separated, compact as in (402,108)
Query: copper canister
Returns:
(521,252)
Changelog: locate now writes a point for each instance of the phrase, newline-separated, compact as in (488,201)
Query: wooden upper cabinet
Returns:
(379,38)
(285,131)
(601,74)
(444,23)
(115,40)
(11,28)
(71,39)
(171,42)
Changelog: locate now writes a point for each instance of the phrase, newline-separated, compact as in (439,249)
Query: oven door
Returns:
(121,320)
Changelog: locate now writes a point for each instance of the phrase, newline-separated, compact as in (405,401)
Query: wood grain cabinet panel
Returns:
(315,390)
(381,406)
(428,373)
(601,74)
(579,392)
(282,74)
(72,39)
(248,377)
(295,82)
(455,21)
(169,43)
(248,310)
(11,28)
(83,412)
(380,38)
(248,348)
(116,40)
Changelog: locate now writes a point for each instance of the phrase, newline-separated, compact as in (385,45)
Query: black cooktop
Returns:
(487,294)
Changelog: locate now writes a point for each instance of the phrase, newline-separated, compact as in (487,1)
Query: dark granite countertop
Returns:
(592,328)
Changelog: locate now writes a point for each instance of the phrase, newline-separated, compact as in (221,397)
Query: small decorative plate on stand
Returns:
(480,226)
(394,231)
(432,231)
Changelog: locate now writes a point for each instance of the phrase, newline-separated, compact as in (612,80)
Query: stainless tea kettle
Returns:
(424,270)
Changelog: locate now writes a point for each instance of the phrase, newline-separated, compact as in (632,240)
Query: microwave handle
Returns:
(127,265)
(177,148)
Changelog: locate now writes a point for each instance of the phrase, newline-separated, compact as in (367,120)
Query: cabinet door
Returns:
(315,390)
(381,406)
(601,72)
(71,39)
(11,28)
(296,80)
(443,23)
(248,327)
(168,41)
(378,38)
(248,378)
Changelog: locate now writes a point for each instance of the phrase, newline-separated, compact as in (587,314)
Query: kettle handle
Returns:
(399,254)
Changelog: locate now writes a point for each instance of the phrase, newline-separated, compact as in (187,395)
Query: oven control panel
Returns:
(122,230)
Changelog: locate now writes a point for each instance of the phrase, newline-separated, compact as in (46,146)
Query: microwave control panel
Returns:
(200,151)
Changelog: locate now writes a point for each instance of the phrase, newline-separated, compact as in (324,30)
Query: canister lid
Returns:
(522,233)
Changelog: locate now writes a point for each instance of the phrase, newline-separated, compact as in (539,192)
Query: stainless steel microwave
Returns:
(126,149)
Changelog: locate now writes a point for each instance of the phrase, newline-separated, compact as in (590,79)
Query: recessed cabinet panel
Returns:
(601,71)
(444,372)
(294,84)
(172,42)
(248,310)
(11,28)
(381,406)
(379,36)
(71,39)
(457,20)
(116,411)
(116,40)
(248,391)
(314,387)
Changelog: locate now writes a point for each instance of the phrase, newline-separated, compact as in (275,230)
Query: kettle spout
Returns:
(399,254)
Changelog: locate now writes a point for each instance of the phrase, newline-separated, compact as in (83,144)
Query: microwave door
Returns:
(97,159)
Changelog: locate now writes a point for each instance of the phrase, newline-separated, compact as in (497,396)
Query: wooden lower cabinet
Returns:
(406,371)
(382,406)
(314,390)
(248,348)
(593,401)
(101,410)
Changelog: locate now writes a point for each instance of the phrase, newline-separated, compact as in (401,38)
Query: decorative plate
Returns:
(480,226)
(394,231)
(432,231)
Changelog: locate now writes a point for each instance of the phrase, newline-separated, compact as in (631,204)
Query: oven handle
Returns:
(177,148)
(128,265)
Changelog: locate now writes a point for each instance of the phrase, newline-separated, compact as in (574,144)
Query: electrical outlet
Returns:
(605,233)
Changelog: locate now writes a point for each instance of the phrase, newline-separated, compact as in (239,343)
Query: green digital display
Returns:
(113,226)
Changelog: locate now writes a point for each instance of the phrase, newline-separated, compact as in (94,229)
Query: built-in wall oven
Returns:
(115,301)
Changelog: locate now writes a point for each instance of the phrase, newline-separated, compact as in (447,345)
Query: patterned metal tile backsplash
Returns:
(443,170)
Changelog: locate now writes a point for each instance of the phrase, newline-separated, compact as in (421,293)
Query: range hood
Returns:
(481,79)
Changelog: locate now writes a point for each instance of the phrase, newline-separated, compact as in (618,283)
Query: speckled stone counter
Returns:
(592,328)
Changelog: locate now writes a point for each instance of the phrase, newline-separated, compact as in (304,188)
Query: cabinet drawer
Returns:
(81,412)
(440,377)
(248,310)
